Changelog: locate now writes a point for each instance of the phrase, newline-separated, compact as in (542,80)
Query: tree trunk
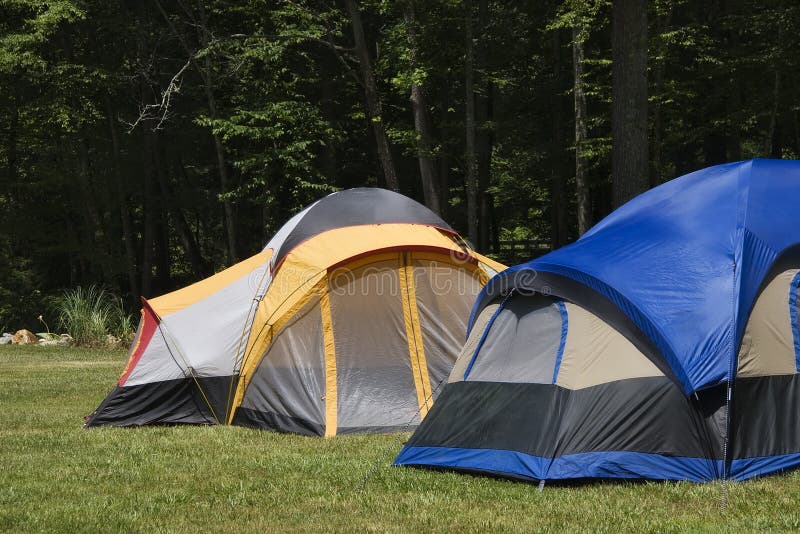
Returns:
(207,76)
(373,101)
(148,207)
(122,203)
(162,260)
(146,151)
(771,148)
(469,98)
(444,156)
(629,160)
(658,87)
(97,240)
(219,149)
(329,158)
(190,245)
(558,209)
(230,219)
(581,183)
(796,132)
(422,119)
(484,133)
(11,153)
(485,141)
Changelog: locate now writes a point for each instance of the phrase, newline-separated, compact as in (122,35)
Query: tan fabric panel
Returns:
(595,353)
(768,345)
(457,374)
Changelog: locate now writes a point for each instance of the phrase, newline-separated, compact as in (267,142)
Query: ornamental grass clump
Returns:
(93,316)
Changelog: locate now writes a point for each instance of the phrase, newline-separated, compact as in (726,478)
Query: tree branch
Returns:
(160,111)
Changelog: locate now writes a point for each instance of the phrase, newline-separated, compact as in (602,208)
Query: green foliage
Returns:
(87,198)
(90,315)
(583,15)
(518,233)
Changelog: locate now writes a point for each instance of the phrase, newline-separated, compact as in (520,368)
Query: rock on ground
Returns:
(54,340)
(24,337)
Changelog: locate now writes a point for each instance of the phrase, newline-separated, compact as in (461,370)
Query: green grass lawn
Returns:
(54,476)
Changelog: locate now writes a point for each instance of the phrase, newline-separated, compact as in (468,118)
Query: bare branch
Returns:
(182,40)
(160,111)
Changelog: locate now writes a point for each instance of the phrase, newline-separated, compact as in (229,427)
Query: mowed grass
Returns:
(54,476)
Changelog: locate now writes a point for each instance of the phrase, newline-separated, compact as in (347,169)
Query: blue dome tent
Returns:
(663,344)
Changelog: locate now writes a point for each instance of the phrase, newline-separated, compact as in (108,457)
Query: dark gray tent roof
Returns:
(355,207)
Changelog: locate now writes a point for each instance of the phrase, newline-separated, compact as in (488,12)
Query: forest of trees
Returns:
(145,144)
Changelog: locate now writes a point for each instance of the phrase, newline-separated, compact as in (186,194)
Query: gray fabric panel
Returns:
(290,379)
(522,343)
(211,331)
(159,362)
(373,369)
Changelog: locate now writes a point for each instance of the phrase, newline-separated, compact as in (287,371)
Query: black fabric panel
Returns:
(648,415)
(765,416)
(355,207)
(710,406)
(286,424)
(169,402)
(493,415)
(529,281)
(279,423)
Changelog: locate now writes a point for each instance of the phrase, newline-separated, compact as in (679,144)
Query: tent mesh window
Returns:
(522,344)
(373,367)
(445,294)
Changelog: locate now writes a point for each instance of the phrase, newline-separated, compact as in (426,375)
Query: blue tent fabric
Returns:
(610,464)
(685,261)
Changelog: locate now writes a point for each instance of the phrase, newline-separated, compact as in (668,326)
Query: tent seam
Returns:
(562,309)
(485,334)
(794,289)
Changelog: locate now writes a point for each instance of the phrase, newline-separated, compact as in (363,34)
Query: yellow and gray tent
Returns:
(346,322)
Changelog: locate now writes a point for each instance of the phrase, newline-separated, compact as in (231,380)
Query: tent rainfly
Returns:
(663,344)
(345,322)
